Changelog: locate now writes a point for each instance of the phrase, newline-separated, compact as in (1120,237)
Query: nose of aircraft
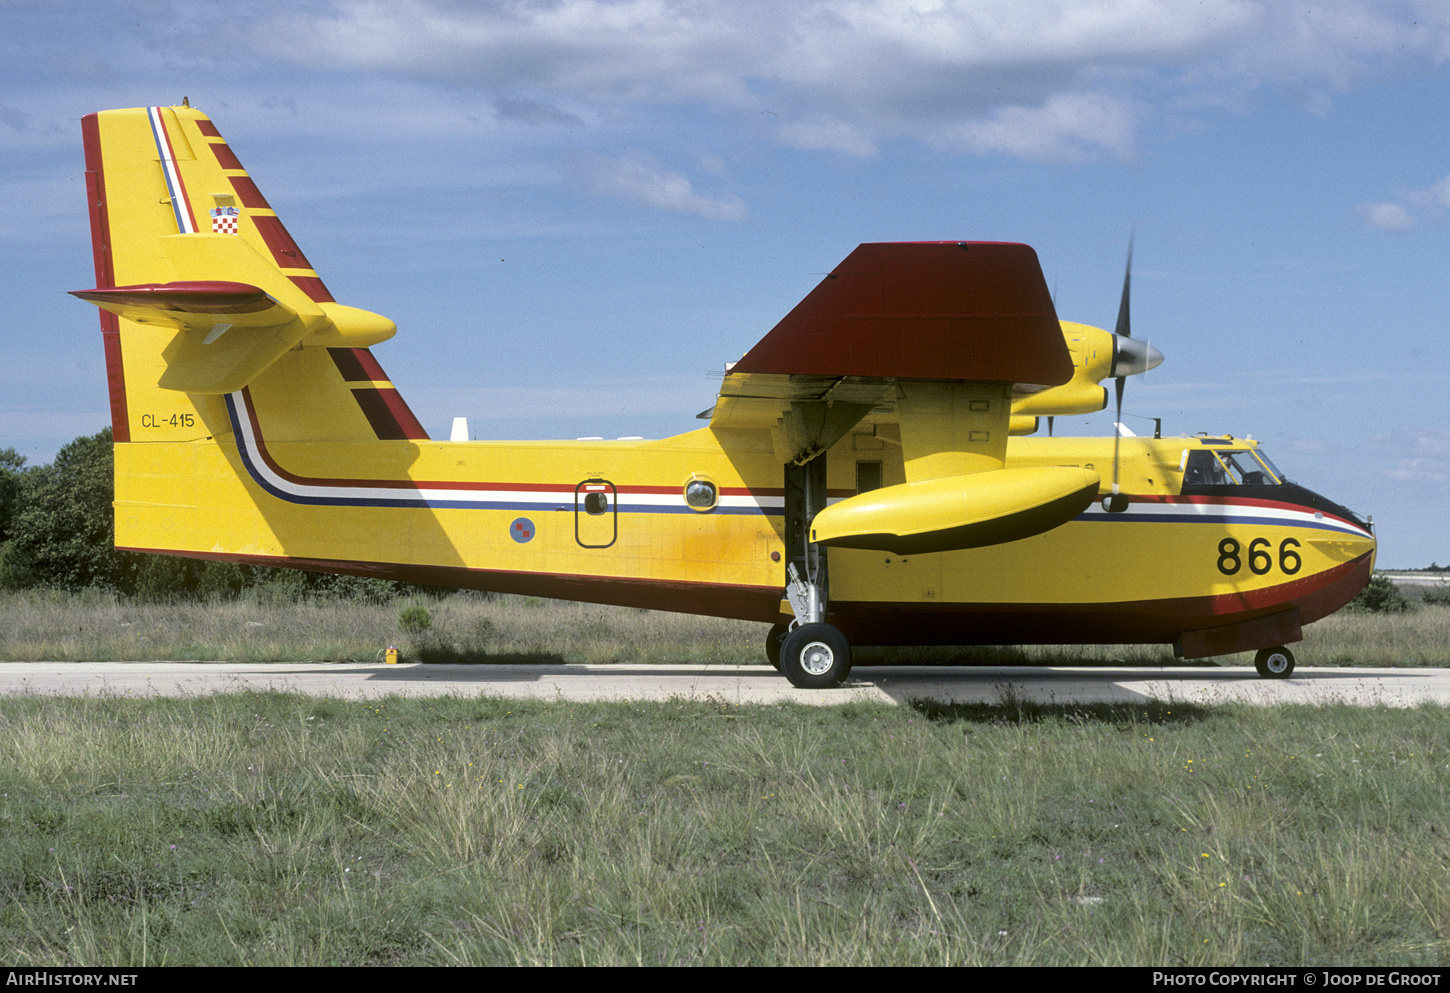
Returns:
(1133,355)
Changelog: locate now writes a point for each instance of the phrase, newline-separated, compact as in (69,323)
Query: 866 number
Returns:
(1231,556)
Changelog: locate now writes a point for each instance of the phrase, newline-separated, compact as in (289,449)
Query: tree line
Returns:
(58,530)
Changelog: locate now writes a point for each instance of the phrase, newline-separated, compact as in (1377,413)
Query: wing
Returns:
(889,319)
(939,337)
(923,310)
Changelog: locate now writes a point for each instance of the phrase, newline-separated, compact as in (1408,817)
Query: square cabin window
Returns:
(868,476)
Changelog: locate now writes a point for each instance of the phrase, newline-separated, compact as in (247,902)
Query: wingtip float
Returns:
(866,476)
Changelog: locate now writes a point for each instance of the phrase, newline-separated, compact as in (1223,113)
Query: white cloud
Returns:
(1420,456)
(1036,79)
(640,179)
(1385,216)
(1420,471)
(1431,202)
(1066,127)
(33,206)
(647,396)
(825,133)
(1433,199)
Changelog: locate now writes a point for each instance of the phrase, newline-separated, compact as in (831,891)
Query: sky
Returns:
(578,211)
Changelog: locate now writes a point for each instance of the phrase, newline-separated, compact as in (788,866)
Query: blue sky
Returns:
(578,211)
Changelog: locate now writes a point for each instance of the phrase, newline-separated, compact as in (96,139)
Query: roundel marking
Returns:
(522,530)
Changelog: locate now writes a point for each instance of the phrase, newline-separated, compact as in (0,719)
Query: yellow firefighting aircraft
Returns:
(855,483)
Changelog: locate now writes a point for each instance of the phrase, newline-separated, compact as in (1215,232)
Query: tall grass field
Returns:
(276,829)
(46,626)
(273,829)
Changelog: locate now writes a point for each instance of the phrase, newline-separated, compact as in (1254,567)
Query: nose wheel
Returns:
(1274,663)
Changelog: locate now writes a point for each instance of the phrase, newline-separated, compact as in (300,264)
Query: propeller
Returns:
(1130,357)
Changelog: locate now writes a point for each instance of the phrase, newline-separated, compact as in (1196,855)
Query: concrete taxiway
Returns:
(737,684)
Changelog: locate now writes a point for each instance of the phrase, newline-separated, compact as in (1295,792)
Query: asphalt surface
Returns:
(736,684)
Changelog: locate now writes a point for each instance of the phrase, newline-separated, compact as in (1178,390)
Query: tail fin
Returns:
(204,293)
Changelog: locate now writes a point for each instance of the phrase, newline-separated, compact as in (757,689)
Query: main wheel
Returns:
(1274,663)
(773,640)
(815,656)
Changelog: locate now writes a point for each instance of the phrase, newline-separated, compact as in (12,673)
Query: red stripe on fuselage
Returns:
(1226,501)
(1137,622)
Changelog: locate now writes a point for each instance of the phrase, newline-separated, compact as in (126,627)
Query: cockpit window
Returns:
(1245,468)
(1278,477)
(1202,469)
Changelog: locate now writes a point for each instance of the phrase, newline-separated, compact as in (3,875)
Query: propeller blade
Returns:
(1116,502)
(1124,323)
(1134,358)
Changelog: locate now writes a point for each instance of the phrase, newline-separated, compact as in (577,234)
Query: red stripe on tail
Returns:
(105,276)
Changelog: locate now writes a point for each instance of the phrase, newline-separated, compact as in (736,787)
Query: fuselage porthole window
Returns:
(701,494)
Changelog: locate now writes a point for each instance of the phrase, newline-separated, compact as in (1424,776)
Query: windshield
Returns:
(1226,468)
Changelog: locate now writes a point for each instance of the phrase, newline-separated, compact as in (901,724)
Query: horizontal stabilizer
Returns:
(215,297)
(231,331)
(954,512)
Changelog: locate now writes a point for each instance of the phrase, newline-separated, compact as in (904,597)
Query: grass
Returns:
(40,626)
(273,829)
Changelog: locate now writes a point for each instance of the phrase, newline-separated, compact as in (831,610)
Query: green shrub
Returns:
(61,527)
(414,619)
(1381,596)
(1438,596)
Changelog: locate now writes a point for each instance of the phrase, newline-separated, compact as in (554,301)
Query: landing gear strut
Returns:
(811,653)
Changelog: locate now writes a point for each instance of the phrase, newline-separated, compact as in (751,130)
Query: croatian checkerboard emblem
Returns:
(521,530)
(224,220)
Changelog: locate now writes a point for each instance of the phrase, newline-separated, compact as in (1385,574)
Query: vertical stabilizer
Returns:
(218,335)
(203,292)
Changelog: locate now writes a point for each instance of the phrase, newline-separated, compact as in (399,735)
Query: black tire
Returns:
(1274,663)
(773,640)
(815,657)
